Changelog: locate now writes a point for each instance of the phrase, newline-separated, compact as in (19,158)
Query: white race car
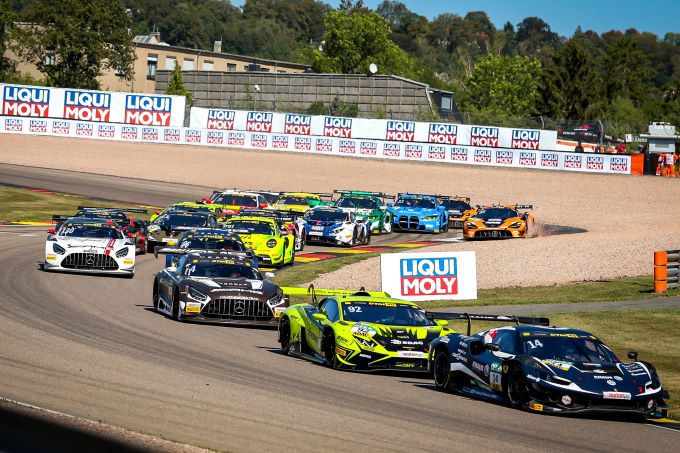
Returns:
(91,246)
(335,226)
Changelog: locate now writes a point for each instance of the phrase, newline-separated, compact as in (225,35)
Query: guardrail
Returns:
(666,270)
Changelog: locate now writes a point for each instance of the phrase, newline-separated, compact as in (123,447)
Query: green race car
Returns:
(272,245)
(359,330)
(369,206)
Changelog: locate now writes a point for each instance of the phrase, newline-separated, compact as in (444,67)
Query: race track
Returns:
(91,347)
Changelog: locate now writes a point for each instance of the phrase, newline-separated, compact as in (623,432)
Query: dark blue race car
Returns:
(544,369)
(217,239)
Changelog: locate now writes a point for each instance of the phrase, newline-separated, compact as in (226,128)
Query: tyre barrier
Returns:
(666,270)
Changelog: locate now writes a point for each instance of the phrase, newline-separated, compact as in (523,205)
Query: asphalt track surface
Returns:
(92,347)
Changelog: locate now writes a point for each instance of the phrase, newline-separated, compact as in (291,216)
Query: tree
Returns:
(534,37)
(176,85)
(72,41)
(7,66)
(503,85)
(627,71)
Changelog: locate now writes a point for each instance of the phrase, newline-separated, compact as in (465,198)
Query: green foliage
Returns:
(7,17)
(623,116)
(626,70)
(176,85)
(317,108)
(339,108)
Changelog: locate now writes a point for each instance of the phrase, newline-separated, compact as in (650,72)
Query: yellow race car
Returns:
(300,202)
(499,222)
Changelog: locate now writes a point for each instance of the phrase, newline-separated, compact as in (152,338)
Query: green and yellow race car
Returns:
(299,202)
(271,244)
(359,330)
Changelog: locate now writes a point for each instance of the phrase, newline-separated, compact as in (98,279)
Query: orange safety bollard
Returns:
(660,271)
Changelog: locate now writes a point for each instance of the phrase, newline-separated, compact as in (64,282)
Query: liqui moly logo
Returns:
(87,106)
(324,145)
(504,157)
(527,159)
(571,161)
(436,152)
(303,143)
(618,164)
(149,133)
(14,125)
(429,276)
(221,119)
(595,163)
(214,137)
(298,124)
(26,101)
(258,140)
(148,110)
(401,131)
(61,127)
(259,121)
(391,150)
(85,129)
(347,146)
(106,131)
(337,127)
(446,134)
(413,151)
(236,138)
(38,126)
(171,135)
(192,136)
(368,148)
(484,136)
(522,139)
(549,160)
(129,132)
(483,156)
(280,141)
(459,154)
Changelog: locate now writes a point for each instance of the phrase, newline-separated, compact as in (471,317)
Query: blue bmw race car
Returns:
(423,213)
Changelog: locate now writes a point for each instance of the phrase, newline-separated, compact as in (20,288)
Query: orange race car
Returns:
(459,210)
(498,222)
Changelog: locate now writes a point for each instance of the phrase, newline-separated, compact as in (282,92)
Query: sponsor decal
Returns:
(560,365)
(61,127)
(391,150)
(14,125)
(258,140)
(611,382)
(236,138)
(298,124)
(478,367)
(280,141)
(429,276)
(459,154)
(221,119)
(527,159)
(259,121)
(504,157)
(484,136)
(573,161)
(149,133)
(106,131)
(87,106)
(85,129)
(446,134)
(38,126)
(400,131)
(368,148)
(192,136)
(347,146)
(363,330)
(497,367)
(618,378)
(616,395)
(523,139)
(483,156)
(486,370)
(413,151)
(128,132)
(303,143)
(214,137)
(148,110)
(618,164)
(549,160)
(26,101)
(324,145)
(337,127)
(595,163)
(171,135)
(436,152)
(599,376)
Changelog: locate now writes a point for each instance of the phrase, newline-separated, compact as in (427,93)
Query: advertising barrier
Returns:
(457,154)
(429,276)
(372,129)
(93,106)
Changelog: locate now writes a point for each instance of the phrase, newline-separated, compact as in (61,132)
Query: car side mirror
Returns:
(633,355)
(476,347)
(269,275)
(319,316)
(441,322)
(52,231)
(492,347)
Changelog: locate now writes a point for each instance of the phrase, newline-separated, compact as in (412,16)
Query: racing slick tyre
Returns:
(516,388)
(441,371)
(301,246)
(155,295)
(368,238)
(175,305)
(284,335)
(329,348)
(353,242)
(387,226)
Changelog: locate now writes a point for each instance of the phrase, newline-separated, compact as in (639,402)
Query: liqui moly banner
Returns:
(429,276)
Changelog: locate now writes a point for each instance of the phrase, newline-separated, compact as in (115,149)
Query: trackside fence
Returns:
(666,270)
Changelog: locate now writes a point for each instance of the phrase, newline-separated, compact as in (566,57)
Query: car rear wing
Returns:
(279,216)
(363,192)
(160,250)
(478,317)
(459,198)
(314,292)
(60,218)
(441,197)
(105,209)
(523,206)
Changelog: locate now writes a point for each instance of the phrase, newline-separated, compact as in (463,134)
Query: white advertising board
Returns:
(429,276)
